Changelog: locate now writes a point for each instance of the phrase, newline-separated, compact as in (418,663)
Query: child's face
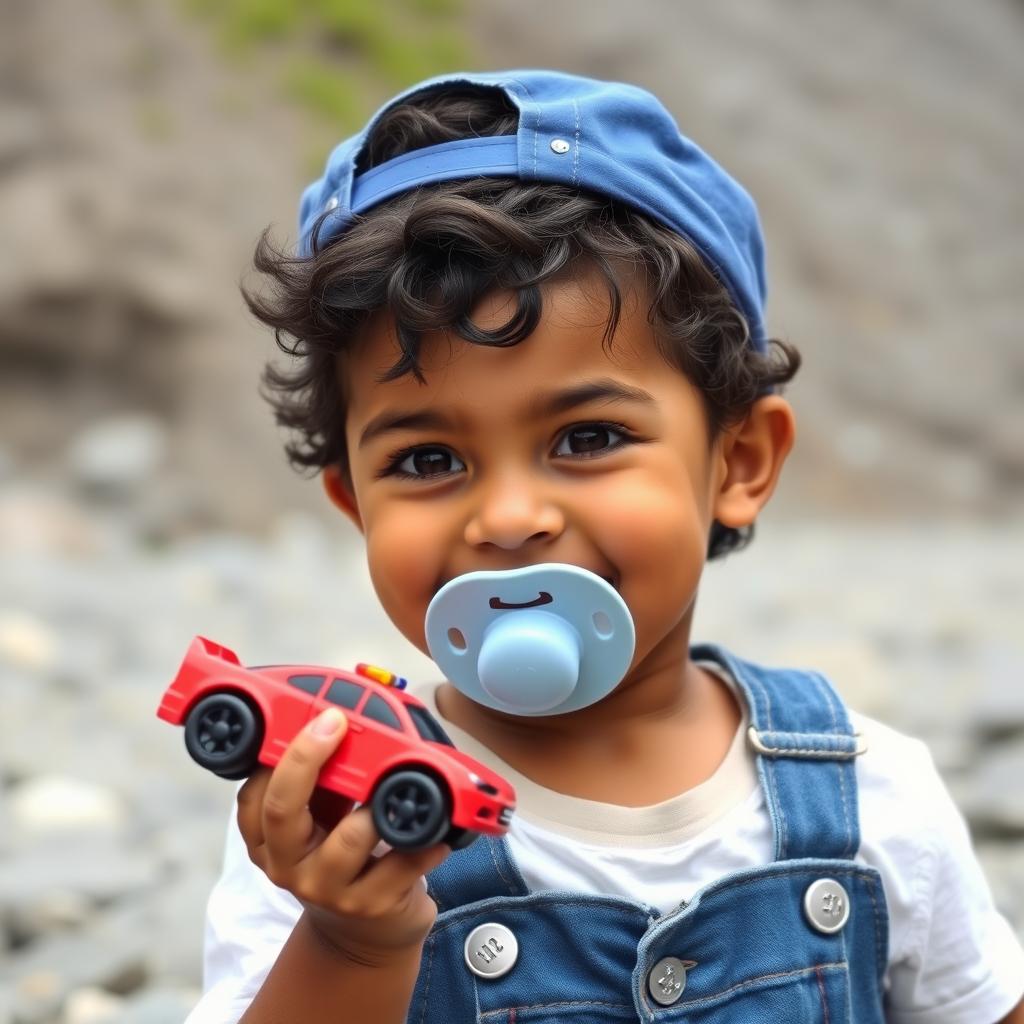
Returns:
(552,450)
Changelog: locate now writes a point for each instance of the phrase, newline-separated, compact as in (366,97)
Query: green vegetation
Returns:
(325,90)
(155,120)
(331,54)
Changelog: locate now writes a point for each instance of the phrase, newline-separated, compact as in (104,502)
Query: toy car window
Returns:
(377,709)
(310,684)
(345,693)
(427,726)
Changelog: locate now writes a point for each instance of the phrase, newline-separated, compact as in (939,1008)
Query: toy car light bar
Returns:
(381,675)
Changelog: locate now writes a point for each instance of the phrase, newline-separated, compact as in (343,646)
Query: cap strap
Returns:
(493,156)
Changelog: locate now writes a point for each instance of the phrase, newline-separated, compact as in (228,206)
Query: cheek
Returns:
(404,567)
(657,539)
(649,528)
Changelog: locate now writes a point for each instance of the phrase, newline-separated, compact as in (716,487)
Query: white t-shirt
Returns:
(953,959)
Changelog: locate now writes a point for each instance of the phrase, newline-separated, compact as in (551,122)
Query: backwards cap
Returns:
(607,137)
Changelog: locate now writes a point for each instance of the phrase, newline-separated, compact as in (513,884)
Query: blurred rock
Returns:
(22,136)
(994,803)
(26,642)
(89,1005)
(997,707)
(158,1005)
(34,522)
(118,456)
(1004,869)
(57,886)
(107,955)
(54,803)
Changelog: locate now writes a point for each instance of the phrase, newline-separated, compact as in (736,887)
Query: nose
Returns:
(510,512)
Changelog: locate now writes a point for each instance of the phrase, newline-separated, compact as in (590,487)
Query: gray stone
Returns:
(997,707)
(994,804)
(27,642)
(91,1005)
(1004,870)
(106,954)
(116,456)
(57,885)
(161,1004)
(56,803)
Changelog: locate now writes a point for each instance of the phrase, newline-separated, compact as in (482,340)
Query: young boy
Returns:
(528,323)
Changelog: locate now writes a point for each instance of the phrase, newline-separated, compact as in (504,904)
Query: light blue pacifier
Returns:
(541,640)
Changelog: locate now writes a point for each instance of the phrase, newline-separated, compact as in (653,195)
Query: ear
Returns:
(751,456)
(338,488)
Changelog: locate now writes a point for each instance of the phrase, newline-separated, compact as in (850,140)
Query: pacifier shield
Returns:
(543,639)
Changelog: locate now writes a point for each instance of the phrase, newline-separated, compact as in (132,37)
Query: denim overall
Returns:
(802,939)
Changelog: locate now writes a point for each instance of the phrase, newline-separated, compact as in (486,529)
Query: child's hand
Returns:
(369,908)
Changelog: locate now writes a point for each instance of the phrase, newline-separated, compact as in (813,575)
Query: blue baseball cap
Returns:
(611,138)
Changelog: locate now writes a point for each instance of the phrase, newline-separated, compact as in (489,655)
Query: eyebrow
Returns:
(552,403)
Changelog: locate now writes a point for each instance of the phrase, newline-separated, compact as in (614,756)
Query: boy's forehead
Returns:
(568,337)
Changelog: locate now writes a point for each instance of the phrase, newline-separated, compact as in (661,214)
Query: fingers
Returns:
(331,865)
(287,825)
(250,808)
(395,875)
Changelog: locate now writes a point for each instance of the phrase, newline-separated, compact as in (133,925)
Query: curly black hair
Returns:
(429,255)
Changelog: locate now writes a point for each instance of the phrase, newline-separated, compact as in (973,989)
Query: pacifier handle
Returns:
(529,662)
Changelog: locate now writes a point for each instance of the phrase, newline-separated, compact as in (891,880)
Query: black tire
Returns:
(224,733)
(460,838)
(410,810)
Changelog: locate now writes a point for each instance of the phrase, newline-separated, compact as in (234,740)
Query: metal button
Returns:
(560,146)
(491,950)
(331,203)
(667,980)
(826,905)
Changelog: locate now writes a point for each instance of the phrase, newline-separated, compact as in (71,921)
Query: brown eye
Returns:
(424,462)
(588,439)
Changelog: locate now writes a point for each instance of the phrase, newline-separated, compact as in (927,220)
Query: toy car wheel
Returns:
(410,809)
(224,733)
(460,838)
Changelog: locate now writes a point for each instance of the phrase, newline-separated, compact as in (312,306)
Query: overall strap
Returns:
(478,872)
(806,749)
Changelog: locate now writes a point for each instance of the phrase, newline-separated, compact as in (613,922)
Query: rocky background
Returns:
(144,497)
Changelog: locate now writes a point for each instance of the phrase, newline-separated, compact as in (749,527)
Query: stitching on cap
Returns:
(526,91)
(576,145)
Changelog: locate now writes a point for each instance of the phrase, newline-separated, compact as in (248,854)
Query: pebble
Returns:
(117,455)
(51,803)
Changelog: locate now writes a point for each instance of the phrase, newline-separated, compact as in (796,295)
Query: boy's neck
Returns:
(666,729)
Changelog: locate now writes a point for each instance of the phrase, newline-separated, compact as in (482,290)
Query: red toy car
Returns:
(395,757)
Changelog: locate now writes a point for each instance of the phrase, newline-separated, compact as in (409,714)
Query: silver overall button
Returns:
(826,905)
(491,950)
(667,980)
